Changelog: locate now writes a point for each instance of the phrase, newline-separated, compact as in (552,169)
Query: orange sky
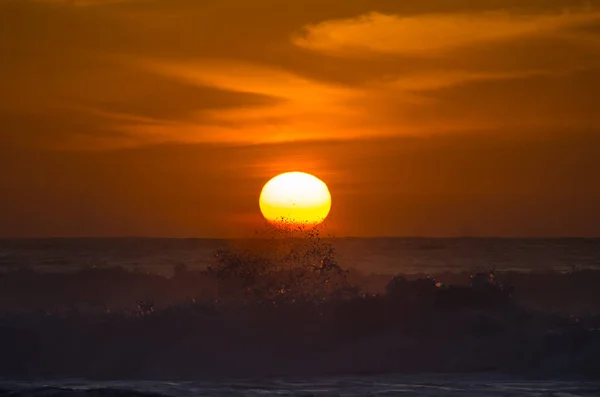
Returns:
(429,118)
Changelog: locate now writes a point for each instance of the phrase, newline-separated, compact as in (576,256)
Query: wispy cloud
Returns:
(433,80)
(432,34)
(179,71)
(249,77)
(305,110)
(82,3)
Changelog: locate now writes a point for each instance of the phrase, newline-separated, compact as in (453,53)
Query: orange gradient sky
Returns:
(429,118)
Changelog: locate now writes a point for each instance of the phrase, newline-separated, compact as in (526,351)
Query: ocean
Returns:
(411,385)
(368,255)
(144,317)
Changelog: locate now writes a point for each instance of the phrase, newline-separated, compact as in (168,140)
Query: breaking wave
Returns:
(283,306)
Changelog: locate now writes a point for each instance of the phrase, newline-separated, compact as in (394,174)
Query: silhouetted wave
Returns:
(415,326)
(117,288)
(286,308)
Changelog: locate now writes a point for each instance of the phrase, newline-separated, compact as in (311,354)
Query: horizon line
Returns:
(124,237)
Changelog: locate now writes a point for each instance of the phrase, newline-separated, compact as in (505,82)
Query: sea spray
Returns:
(282,265)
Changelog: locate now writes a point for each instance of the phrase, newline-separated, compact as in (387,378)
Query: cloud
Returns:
(250,77)
(61,128)
(306,109)
(82,3)
(438,79)
(432,34)
(174,100)
(182,71)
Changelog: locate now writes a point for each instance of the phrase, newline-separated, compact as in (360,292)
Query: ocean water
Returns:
(369,255)
(407,385)
(91,324)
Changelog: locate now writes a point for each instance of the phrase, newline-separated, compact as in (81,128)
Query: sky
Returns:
(166,117)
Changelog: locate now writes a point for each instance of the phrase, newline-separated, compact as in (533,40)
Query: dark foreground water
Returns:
(297,324)
(421,385)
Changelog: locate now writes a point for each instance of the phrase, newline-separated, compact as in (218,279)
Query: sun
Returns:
(295,198)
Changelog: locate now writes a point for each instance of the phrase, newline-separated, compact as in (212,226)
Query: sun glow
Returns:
(295,198)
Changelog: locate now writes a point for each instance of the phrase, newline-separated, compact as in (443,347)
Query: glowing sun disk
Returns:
(295,198)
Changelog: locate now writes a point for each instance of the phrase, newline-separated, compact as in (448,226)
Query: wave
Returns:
(416,385)
(57,391)
(288,309)
(116,288)
(363,335)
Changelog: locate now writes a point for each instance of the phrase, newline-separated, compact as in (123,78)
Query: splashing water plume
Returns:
(281,265)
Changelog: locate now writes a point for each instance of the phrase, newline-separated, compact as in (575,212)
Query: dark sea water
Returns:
(421,385)
(520,349)
(374,255)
